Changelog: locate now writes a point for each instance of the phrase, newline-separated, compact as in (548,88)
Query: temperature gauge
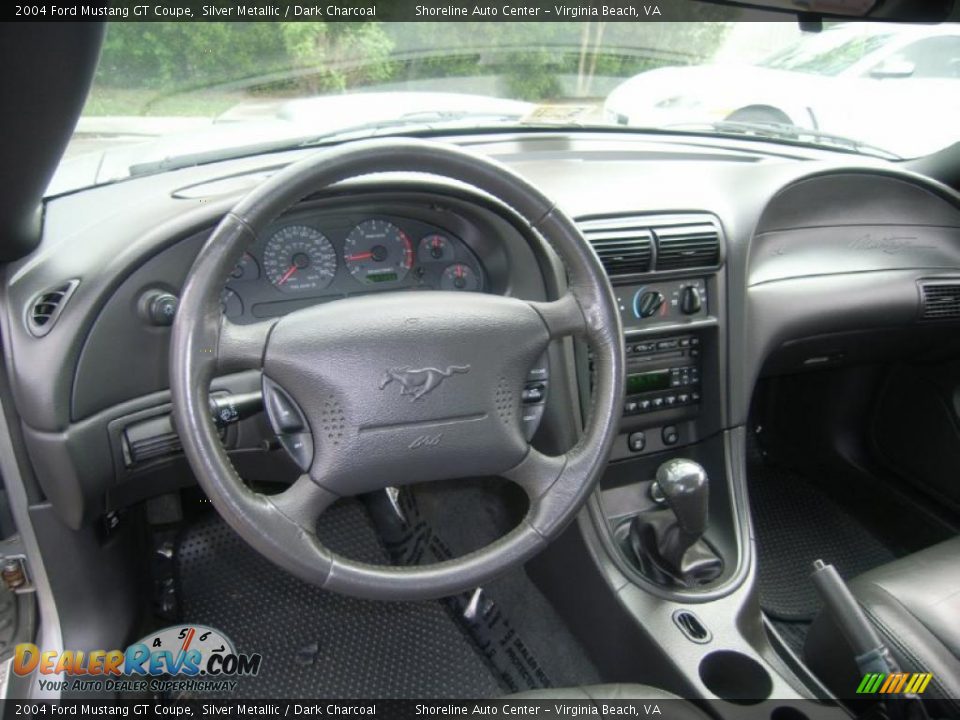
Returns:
(460,277)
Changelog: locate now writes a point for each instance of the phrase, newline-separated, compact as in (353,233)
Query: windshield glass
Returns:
(828,53)
(172,94)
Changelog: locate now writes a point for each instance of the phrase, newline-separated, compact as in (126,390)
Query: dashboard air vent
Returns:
(624,245)
(940,300)
(47,306)
(690,242)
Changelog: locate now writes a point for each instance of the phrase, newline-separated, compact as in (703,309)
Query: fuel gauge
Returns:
(460,277)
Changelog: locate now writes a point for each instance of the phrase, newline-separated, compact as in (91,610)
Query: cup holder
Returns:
(735,677)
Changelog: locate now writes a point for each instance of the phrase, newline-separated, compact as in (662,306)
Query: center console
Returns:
(671,346)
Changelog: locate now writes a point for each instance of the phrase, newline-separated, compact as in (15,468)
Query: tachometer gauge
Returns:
(460,277)
(299,258)
(435,248)
(377,251)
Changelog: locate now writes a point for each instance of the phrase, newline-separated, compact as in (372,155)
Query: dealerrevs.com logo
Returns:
(178,658)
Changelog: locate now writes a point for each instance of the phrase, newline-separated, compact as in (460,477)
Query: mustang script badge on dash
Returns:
(417,383)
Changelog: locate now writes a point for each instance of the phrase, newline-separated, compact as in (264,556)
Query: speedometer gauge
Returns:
(299,258)
(377,251)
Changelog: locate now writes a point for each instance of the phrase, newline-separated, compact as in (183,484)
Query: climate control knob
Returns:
(690,300)
(649,303)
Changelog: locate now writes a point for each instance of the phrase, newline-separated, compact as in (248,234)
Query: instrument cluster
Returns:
(302,260)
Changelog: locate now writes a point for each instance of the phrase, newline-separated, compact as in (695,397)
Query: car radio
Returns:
(662,373)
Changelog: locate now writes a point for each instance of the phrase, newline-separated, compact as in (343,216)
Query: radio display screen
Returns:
(648,382)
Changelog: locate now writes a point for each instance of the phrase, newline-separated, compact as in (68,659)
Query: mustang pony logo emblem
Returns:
(417,383)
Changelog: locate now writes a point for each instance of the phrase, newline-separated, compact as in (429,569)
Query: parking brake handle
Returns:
(871,655)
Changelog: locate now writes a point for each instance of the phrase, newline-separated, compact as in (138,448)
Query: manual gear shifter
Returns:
(668,544)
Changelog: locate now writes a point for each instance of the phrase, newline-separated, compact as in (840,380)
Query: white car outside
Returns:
(864,81)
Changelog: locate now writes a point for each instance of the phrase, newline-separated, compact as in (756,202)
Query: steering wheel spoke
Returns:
(241,347)
(563,317)
(303,502)
(536,473)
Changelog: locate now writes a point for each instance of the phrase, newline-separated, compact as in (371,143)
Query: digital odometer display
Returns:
(648,382)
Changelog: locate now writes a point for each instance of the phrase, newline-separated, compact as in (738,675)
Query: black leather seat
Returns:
(599,694)
(914,602)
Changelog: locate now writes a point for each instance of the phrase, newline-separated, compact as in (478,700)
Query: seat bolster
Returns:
(914,603)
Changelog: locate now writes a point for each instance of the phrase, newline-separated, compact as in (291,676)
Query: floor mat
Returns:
(794,634)
(316,643)
(526,643)
(795,523)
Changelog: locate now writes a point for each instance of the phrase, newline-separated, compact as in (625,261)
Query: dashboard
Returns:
(313,257)
(733,260)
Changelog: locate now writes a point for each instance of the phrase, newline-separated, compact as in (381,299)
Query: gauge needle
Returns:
(286,276)
(360,256)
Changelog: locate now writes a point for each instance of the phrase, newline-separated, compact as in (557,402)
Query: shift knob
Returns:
(683,484)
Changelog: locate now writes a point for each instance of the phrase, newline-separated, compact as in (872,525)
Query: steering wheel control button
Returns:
(670,435)
(637,441)
(532,415)
(285,416)
(300,448)
(533,393)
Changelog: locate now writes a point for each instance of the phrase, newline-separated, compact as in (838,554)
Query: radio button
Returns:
(657,403)
(644,405)
(630,407)
(671,344)
(683,398)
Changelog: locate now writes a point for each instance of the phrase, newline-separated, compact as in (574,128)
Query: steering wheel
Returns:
(331,368)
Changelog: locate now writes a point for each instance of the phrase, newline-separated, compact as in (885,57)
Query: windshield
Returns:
(172,94)
(828,53)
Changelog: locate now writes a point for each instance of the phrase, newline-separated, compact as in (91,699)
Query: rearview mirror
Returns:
(893,68)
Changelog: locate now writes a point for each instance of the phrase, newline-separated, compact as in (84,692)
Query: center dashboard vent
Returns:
(940,300)
(624,245)
(638,244)
(687,242)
